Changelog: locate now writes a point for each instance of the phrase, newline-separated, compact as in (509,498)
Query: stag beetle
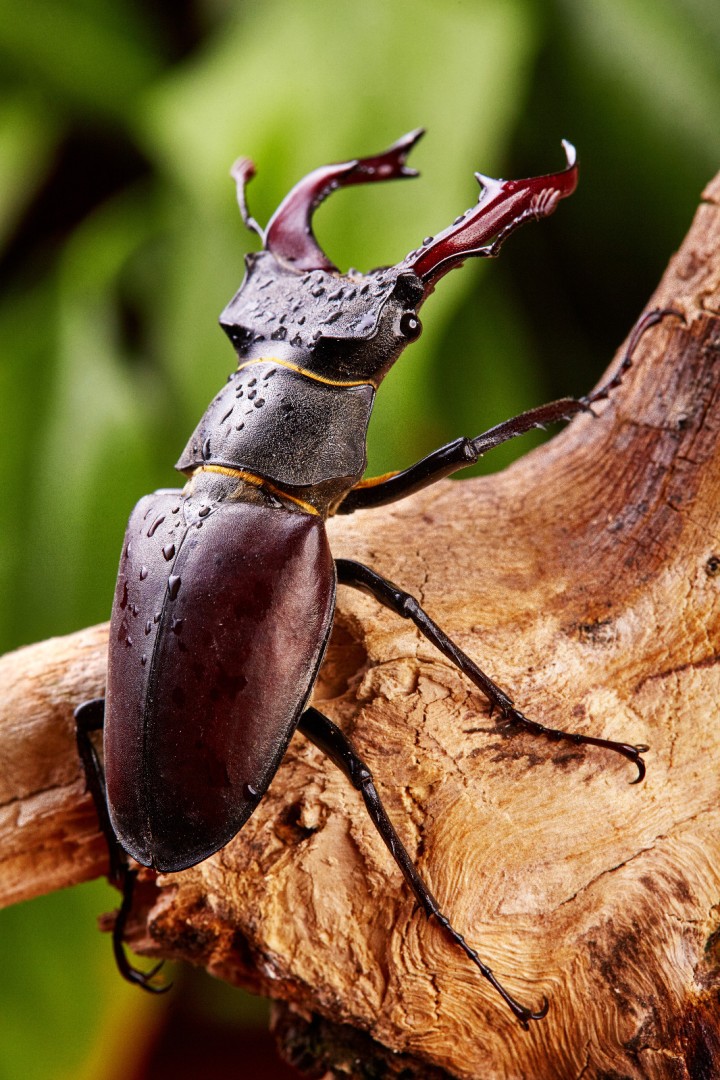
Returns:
(226,588)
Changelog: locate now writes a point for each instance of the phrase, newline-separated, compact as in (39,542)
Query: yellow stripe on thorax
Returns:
(307,374)
(259,481)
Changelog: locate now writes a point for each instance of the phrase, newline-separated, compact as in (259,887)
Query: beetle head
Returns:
(295,303)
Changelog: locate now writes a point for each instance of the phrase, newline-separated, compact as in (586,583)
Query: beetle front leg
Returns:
(330,739)
(359,576)
(89,718)
(463,452)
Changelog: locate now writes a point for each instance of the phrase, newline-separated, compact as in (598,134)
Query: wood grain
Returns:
(586,580)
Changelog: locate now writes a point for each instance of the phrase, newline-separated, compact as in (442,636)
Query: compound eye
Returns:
(410,325)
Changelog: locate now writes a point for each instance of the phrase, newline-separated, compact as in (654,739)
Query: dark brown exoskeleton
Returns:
(226,590)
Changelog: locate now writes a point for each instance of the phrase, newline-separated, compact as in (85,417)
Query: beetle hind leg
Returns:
(359,576)
(330,739)
(89,718)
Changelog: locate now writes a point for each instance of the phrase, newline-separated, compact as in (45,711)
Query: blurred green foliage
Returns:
(121,242)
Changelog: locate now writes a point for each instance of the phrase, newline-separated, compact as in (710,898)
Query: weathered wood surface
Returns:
(586,580)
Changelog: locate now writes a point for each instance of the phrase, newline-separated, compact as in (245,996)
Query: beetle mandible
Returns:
(226,588)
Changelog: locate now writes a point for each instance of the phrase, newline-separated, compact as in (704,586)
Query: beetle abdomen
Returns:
(221,616)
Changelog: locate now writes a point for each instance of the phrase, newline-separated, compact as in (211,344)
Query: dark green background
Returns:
(121,242)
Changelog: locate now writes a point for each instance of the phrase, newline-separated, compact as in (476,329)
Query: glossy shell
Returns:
(221,616)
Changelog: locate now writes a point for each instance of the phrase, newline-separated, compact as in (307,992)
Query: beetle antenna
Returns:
(242,172)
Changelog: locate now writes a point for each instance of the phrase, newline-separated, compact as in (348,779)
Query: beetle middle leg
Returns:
(89,718)
(359,576)
(330,739)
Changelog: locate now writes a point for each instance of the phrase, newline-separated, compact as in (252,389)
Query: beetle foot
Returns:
(143,979)
(627,750)
(521,1012)
(131,974)
(650,318)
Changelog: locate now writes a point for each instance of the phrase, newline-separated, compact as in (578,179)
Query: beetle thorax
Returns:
(312,348)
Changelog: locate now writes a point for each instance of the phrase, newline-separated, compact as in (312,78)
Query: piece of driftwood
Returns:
(586,580)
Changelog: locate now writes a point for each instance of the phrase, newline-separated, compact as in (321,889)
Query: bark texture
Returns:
(586,580)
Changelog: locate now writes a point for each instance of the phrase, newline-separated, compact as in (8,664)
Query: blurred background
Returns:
(121,242)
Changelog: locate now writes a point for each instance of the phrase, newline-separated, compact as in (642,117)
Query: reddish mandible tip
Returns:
(289,233)
(503,206)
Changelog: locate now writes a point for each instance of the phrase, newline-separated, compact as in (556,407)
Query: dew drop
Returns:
(250,791)
(227,415)
(204,510)
(173,586)
(148,626)
(157,616)
(168,552)
(206,449)
(155,525)
(143,572)
(176,626)
(143,659)
(128,642)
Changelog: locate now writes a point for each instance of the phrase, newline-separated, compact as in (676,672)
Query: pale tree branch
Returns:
(586,581)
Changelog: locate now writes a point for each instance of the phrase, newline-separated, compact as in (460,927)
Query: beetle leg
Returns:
(464,452)
(330,739)
(143,979)
(89,717)
(359,576)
